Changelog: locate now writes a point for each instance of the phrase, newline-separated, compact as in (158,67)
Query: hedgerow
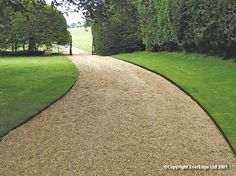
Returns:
(205,26)
(116,34)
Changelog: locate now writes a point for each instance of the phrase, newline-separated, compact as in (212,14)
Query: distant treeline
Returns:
(204,26)
(31,27)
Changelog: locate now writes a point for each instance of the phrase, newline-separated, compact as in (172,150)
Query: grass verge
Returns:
(210,80)
(29,84)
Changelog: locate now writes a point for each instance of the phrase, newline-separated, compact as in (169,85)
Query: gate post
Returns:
(71,45)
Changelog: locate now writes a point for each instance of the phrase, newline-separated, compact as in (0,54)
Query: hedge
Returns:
(204,26)
(117,33)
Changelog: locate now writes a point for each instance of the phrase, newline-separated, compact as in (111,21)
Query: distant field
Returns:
(29,84)
(210,80)
(81,38)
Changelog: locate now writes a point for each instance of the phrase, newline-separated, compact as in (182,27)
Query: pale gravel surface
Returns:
(118,119)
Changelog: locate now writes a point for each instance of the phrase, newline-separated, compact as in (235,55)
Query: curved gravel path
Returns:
(118,119)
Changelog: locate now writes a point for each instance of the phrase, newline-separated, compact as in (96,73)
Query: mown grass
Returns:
(210,80)
(82,39)
(29,84)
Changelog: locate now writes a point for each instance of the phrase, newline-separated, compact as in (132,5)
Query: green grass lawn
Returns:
(81,38)
(29,84)
(210,80)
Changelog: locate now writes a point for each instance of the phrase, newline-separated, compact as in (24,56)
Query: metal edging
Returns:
(188,94)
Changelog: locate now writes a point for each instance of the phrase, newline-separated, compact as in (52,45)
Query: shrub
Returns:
(116,33)
(205,26)
(156,25)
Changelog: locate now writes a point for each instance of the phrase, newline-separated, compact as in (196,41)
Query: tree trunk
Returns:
(12,46)
(71,47)
(16,46)
(32,46)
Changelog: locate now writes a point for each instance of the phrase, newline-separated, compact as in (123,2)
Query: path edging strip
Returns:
(189,95)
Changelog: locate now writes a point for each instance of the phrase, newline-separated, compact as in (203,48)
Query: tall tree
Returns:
(38,24)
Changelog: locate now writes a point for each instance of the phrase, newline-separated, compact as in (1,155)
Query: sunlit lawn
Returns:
(29,84)
(82,39)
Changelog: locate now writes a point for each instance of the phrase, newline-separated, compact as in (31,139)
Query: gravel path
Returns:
(118,119)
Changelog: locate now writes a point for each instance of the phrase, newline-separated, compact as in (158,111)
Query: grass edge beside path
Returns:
(30,85)
(209,80)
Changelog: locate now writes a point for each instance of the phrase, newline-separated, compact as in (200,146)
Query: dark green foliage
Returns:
(4,24)
(22,53)
(156,24)
(148,23)
(116,33)
(205,26)
(38,25)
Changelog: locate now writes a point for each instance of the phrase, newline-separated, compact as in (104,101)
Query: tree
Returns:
(205,26)
(5,13)
(39,24)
